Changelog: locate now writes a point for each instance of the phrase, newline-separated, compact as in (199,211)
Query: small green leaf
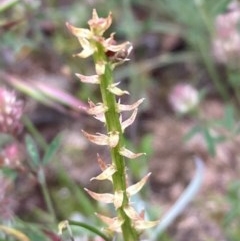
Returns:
(10,173)
(210,141)
(146,145)
(220,6)
(228,120)
(32,150)
(52,149)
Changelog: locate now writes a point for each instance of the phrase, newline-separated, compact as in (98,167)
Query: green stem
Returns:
(45,191)
(90,228)
(113,125)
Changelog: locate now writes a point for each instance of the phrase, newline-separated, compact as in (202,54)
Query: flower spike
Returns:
(107,54)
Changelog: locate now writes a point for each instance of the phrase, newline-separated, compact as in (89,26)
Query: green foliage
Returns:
(32,151)
(51,150)
(231,219)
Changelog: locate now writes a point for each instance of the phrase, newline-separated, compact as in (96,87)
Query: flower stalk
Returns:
(107,55)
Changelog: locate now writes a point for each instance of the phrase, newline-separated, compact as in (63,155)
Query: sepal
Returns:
(98,109)
(129,121)
(117,91)
(101,197)
(133,189)
(118,199)
(79,32)
(99,25)
(113,224)
(103,140)
(103,166)
(135,105)
(88,48)
(106,174)
(100,68)
(92,79)
(138,219)
(129,154)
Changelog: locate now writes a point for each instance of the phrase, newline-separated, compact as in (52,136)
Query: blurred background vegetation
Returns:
(193,42)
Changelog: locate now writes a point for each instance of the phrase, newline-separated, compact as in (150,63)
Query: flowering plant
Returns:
(107,55)
(128,223)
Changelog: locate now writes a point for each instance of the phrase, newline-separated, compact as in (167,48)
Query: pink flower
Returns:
(183,98)
(11,111)
(11,156)
(226,44)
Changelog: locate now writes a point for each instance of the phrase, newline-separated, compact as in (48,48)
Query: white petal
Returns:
(117,91)
(113,139)
(106,174)
(97,109)
(92,79)
(101,163)
(129,121)
(114,224)
(103,140)
(100,68)
(142,224)
(129,107)
(118,199)
(102,197)
(99,139)
(132,213)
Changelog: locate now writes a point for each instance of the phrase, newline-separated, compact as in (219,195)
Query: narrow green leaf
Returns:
(228,120)
(90,228)
(146,145)
(5,5)
(32,150)
(210,141)
(51,150)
